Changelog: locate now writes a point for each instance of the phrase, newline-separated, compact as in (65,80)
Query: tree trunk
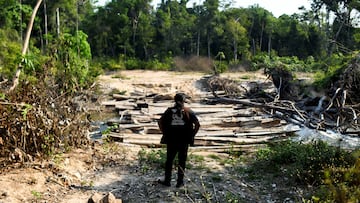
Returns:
(26,44)
(208,45)
(261,35)
(58,21)
(46,26)
(235,50)
(198,45)
(269,46)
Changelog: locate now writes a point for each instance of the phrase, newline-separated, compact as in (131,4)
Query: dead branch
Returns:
(13,104)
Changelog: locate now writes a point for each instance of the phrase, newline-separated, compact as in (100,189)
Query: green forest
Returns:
(51,53)
(132,34)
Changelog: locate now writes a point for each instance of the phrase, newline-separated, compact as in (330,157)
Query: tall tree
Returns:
(174,24)
(210,18)
(261,24)
(341,34)
(26,44)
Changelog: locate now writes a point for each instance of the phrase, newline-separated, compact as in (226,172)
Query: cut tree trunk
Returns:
(26,45)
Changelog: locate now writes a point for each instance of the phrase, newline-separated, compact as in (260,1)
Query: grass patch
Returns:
(196,161)
(149,159)
(36,194)
(335,173)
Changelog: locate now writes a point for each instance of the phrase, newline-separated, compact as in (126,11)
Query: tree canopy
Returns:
(134,29)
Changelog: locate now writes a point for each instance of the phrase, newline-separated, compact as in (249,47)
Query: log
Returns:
(228,148)
(265,133)
(110,103)
(120,97)
(238,140)
(254,104)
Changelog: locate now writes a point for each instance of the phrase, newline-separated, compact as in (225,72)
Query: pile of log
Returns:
(239,116)
(224,127)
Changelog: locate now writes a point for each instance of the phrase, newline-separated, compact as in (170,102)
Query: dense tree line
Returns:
(134,29)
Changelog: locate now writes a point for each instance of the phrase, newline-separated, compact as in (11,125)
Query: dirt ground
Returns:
(116,167)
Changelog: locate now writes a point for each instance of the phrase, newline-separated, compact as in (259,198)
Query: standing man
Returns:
(179,126)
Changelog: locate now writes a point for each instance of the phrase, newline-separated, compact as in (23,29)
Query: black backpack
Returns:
(177,125)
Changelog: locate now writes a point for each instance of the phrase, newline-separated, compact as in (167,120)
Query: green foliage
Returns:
(36,194)
(26,109)
(110,129)
(330,69)
(341,184)
(232,198)
(289,63)
(306,162)
(137,32)
(221,66)
(152,158)
(196,161)
(109,64)
(12,14)
(48,144)
(73,58)
(133,63)
(10,49)
(335,172)
(2,96)
(158,65)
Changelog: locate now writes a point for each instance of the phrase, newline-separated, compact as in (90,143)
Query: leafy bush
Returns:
(157,65)
(292,63)
(306,162)
(39,121)
(132,64)
(9,53)
(335,172)
(341,184)
(73,56)
(149,159)
(330,69)
(109,64)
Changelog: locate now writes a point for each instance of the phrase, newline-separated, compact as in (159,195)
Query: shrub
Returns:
(132,64)
(152,157)
(341,184)
(73,55)
(306,162)
(330,70)
(9,53)
(109,64)
(291,63)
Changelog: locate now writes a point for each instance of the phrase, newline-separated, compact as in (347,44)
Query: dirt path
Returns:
(130,172)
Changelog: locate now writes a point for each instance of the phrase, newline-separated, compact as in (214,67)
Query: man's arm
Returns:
(196,126)
(161,121)
(196,123)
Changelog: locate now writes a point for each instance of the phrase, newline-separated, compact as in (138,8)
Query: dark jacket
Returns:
(178,125)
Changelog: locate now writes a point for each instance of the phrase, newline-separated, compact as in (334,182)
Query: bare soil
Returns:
(75,176)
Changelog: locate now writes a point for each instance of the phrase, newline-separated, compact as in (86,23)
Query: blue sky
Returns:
(276,7)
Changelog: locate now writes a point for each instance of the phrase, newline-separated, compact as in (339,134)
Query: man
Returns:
(179,126)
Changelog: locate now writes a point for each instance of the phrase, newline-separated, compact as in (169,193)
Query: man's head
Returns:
(180,97)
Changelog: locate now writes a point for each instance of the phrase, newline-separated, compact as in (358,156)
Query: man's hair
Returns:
(180,97)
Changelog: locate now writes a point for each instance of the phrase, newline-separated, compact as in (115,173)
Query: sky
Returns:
(276,7)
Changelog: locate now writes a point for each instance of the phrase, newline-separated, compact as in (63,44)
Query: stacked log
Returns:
(224,126)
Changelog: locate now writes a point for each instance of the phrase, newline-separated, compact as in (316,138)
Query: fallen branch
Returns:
(14,104)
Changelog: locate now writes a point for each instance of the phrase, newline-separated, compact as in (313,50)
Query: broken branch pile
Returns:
(339,110)
(36,122)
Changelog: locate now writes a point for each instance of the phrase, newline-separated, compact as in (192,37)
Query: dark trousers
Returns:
(181,150)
